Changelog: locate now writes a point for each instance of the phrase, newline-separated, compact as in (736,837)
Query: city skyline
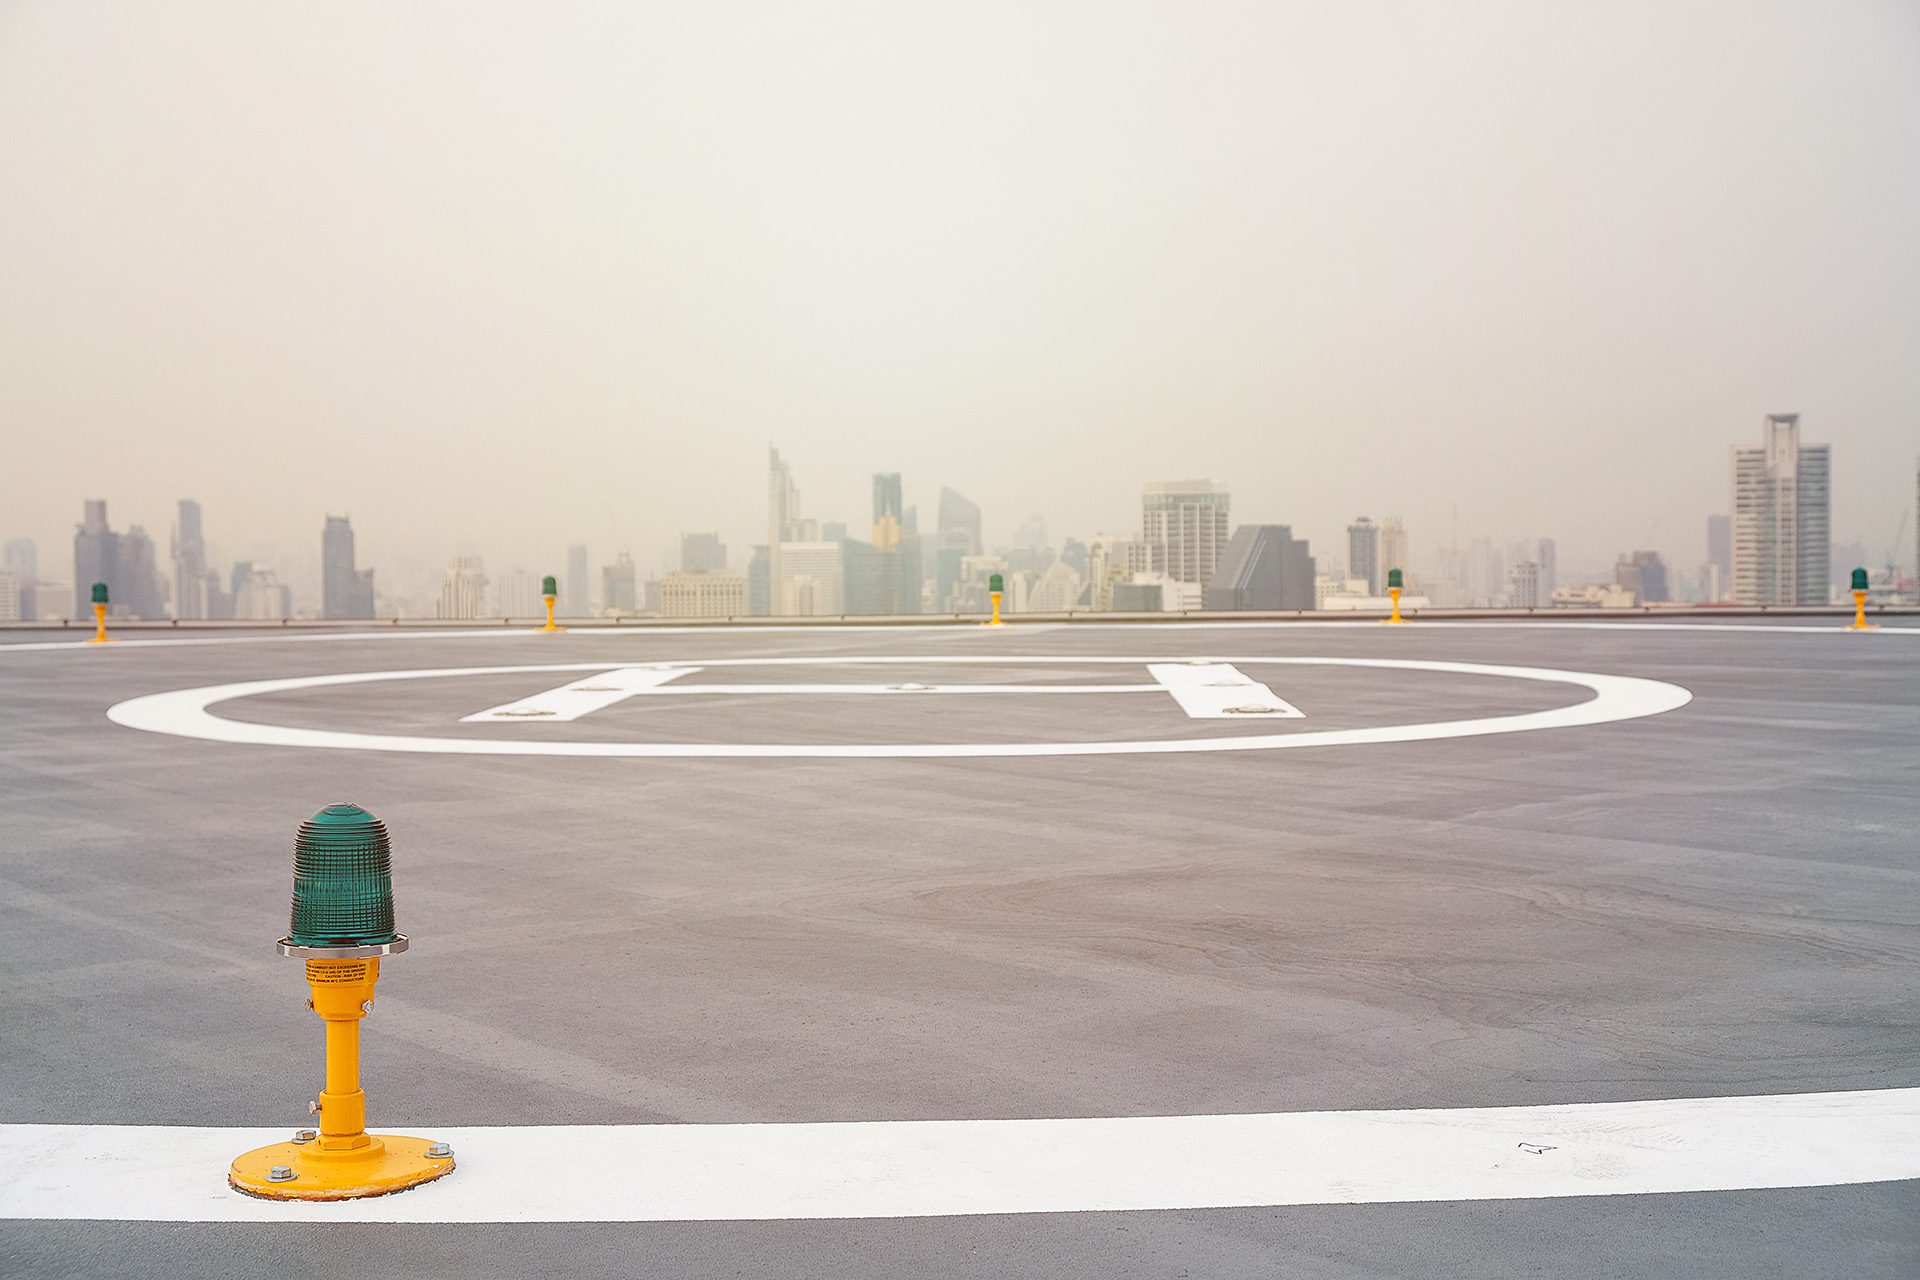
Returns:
(1175,558)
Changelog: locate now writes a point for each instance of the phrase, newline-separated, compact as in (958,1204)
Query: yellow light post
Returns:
(1860,622)
(996,585)
(100,635)
(1395,584)
(342,925)
(549,590)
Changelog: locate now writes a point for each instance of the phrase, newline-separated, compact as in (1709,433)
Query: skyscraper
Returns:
(616,585)
(702,553)
(1184,524)
(960,517)
(1780,518)
(1395,552)
(1263,567)
(189,564)
(125,562)
(575,587)
(783,507)
(464,593)
(1363,553)
(886,509)
(345,591)
(1548,557)
(96,558)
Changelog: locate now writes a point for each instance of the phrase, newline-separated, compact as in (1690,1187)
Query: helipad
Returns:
(1479,950)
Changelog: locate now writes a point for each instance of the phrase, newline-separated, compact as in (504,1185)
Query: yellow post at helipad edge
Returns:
(342,1161)
(550,626)
(995,621)
(1395,593)
(100,635)
(1860,622)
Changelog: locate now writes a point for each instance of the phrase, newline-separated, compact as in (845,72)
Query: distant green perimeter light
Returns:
(1394,580)
(99,593)
(549,587)
(1859,579)
(996,583)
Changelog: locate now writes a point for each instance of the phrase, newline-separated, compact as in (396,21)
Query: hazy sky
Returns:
(513,276)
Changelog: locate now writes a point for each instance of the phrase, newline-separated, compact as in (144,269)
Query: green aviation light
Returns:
(1859,580)
(549,586)
(99,593)
(996,583)
(342,880)
(1394,581)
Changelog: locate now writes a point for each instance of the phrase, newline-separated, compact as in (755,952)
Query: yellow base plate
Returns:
(388,1164)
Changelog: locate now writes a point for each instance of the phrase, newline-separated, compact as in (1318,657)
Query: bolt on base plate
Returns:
(387,1164)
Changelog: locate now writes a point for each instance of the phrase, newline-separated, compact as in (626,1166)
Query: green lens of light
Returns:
(99,593)
(548,586)
(995,583)
(342,880)
(1859,579)
(1394,580)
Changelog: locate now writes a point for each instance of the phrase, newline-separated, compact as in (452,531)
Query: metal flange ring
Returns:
(395,947)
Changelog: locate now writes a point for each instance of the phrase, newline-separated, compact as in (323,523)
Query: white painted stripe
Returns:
(1218,691)
(582,697)
(905,687)
(646,1173)
(183,712)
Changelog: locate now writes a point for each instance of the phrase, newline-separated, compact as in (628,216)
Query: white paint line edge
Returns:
(184,713)
(1220,691)
(654,1173)
(584,696)
(959,628)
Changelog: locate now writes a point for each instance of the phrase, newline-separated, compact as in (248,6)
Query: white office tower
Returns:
(464,593)
(574,602)
(1780,551)
(517,595)
(1184,526)
(1395,552)
(703,595)
(1523,585)
(812,581)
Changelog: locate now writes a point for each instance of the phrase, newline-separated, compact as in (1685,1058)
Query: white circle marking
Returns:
(185,713)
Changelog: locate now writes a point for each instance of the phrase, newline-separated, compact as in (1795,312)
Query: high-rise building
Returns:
(1184,524)
(22,561)
(189,563)
(258,594)
(617,594)
(464,593)
(345,591)
(573,598)
(1780,518)
(96,558)
(882,576)
(703,595)
(1363,554)
(887,509)
(758,605)
(1264,567)
(22,557)
(1645,575)
(517,594)
(812,581)
(1395,551)
(958,516)
(1717,579)
(1523,585)
(702,553)
(1548,557)
(783,507)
